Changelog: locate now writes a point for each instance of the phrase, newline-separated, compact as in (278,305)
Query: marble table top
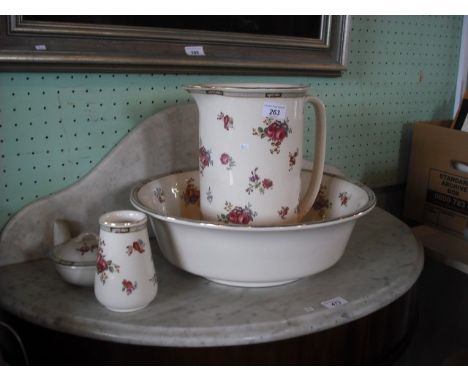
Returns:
(381,262)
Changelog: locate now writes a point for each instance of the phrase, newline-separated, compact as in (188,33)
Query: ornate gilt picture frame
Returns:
(32,45)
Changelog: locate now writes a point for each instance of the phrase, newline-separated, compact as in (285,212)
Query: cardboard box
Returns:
(437,184)
(443,246)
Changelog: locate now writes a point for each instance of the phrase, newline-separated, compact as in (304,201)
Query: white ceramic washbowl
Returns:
(251,256)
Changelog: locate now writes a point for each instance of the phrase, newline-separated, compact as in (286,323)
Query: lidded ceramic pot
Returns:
(74,258)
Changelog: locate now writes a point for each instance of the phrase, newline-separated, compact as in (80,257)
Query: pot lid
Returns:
(81,250)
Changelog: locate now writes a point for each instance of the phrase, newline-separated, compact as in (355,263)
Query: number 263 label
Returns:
(274,110)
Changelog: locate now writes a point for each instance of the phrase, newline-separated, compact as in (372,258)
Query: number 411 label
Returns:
(274,110)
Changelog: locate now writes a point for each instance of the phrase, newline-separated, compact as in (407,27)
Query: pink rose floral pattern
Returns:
(191,194)
(86,247)
(237,215)
(275,131)
(228,122)
(136,246)
(103,266)
(344,198)
(256,183)
(283,212)
(128,287)
(292,159)
(205,160)
(226,160)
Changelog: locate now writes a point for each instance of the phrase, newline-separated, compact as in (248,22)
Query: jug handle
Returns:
(319,156)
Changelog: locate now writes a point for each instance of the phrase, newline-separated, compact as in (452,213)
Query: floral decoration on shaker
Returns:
(226,160)
(136,246)
(228,122)
(237,215)
(256,183)
(103,265)
(191,194)
(128,287)
(275,131)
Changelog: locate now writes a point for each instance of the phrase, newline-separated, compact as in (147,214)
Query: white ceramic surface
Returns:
(251,149)
(75,259)
(245,255)
(125,278)
(81,275)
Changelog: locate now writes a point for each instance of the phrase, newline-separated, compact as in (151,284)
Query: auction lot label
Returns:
(448,191)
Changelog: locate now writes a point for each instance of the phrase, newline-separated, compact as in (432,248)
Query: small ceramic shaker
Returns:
(125,278)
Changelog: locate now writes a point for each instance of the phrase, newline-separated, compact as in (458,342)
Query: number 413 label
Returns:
(274,110)
(334,302)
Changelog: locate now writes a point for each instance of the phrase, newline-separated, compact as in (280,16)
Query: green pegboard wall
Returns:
(55,127)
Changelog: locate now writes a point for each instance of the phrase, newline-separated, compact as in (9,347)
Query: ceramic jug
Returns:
(250,152)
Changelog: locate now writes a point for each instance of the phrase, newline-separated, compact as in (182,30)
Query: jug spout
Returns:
(200,95)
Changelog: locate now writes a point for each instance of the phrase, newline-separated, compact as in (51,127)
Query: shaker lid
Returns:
(123,221)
